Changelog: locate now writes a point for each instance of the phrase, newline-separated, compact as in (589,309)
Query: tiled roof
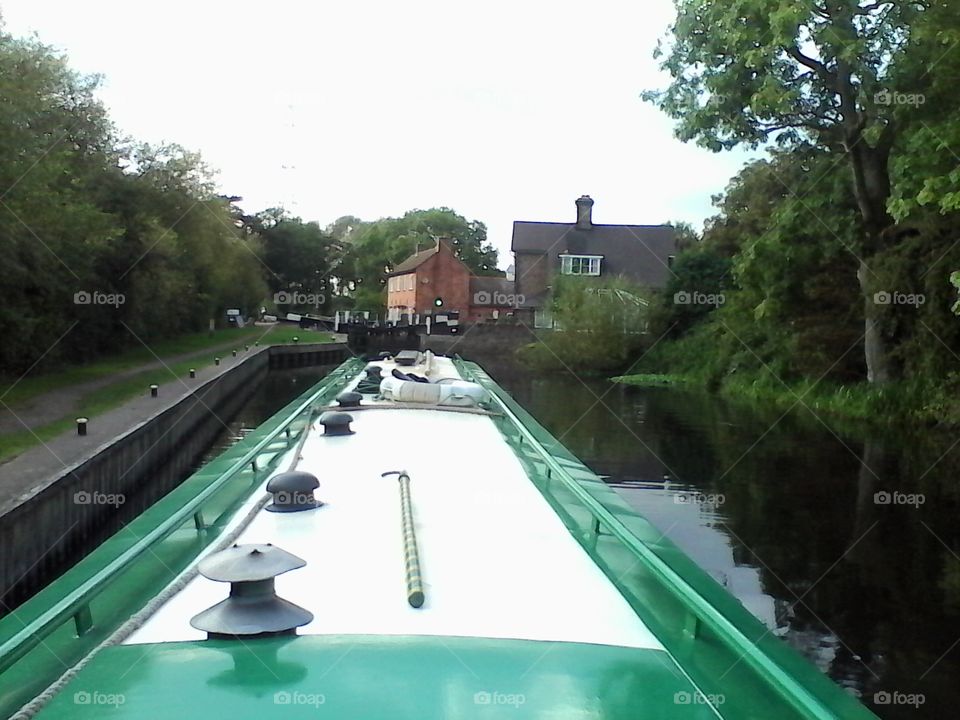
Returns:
(414,261)
(637,252)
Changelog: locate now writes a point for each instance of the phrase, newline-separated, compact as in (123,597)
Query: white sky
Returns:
(502,111)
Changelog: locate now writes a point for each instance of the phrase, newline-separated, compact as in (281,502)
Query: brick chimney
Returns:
(584,213)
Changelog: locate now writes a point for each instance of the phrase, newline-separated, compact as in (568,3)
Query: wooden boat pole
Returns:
(415,594)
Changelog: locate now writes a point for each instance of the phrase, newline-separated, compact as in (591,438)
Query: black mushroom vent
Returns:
(253,607)
(336,423)
(349,399)
(293,491)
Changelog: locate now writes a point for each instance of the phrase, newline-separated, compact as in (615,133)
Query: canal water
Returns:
(844,541)
(277,389)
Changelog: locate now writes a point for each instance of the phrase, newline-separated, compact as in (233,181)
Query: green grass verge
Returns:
(907,402)
(650,379)
(115,394)
(30,387)
(285,334)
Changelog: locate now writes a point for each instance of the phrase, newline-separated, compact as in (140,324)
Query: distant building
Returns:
(436,282)
(641,254)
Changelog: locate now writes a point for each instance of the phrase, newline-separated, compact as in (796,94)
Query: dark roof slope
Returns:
(414,261)
(637,252)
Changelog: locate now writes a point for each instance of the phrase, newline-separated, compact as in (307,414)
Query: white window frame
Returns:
(574,265)
(543,319)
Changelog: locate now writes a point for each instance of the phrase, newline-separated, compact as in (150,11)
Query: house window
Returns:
(409,282)
(580,264)
(542,319)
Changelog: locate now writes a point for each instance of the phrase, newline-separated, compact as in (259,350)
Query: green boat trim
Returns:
(381,677)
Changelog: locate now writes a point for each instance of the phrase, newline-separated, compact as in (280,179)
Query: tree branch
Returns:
(867,9)
(818,67)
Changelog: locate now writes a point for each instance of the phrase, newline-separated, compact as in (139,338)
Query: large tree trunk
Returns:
(871,186)
(871,177)
(880,368)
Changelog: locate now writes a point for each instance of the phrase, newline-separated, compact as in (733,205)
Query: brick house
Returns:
(435,281)
(641,254)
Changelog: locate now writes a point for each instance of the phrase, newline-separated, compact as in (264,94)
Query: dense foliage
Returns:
(839,245)
(599,325)
(104,243)
(869,83)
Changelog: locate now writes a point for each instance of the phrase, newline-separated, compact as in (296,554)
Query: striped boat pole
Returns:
(411,557)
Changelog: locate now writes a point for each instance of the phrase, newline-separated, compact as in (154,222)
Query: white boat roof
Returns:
(497,561)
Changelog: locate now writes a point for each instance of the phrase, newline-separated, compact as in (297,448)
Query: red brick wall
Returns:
(444,276)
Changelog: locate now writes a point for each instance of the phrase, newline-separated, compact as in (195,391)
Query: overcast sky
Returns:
(502,111)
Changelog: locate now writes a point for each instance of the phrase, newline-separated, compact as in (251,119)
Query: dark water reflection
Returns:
(277,388)
(785,511)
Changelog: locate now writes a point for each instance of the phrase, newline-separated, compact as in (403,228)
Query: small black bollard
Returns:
(193,372)
(246,347)
(81,426)
(154,391)
(257,344)
(296,338)
(216,361)
(234,353)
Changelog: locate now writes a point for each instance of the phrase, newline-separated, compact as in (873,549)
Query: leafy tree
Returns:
(601,325)
(837,74)
(82,213)
(373,249)
(697,286)
(299,258)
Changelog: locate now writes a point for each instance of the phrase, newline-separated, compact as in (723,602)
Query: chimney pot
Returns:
(584,213)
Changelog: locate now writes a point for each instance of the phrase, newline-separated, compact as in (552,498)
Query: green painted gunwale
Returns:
(388,677)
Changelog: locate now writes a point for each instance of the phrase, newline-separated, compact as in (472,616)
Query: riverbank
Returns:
(910,402)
